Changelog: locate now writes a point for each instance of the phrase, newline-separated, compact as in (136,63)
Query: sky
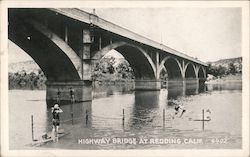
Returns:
(209,34)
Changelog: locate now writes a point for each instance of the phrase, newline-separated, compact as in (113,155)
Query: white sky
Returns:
(209,34)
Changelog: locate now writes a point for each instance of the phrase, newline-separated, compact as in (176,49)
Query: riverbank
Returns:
(225,79)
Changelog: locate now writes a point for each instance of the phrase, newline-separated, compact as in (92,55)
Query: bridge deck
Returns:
(106,25)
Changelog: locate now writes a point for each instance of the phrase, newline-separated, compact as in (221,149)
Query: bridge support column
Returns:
(147,84)
(82,90)
(202,80)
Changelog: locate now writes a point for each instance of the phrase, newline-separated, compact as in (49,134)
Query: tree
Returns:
(221,70)
(110,65)
(125,71)
(232,68)
(210,69)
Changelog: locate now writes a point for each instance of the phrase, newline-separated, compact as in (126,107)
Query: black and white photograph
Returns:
(125,76)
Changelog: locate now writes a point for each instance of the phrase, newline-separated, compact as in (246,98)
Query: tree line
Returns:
(110,69)
(225,68)
(107,70)
(24,80)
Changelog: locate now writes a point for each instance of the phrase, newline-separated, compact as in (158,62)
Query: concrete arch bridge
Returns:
(66,43)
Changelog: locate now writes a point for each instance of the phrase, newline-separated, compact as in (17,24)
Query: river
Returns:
(143,122)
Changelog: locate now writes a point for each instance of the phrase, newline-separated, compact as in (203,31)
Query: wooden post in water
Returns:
(203,120)
(72,116)
(123,117)
(87,117)
(71,91)
(164,118)
(32,128)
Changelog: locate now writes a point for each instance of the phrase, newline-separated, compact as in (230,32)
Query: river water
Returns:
(144,125)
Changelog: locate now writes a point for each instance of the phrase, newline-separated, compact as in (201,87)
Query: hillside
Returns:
(237,62)
(227,61)
(28,66)
(31,66)
(225,69)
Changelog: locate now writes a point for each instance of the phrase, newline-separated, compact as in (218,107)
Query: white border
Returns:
(123,4)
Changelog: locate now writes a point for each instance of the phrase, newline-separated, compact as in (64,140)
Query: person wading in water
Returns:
(56,110)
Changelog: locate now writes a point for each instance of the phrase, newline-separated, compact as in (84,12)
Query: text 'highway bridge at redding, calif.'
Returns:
(67,42)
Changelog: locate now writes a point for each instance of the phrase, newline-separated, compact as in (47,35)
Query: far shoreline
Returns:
(237,78)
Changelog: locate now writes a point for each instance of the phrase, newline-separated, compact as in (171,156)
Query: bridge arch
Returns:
(190,70)
(201,72)
(137,57)
(172,66)
(56,59)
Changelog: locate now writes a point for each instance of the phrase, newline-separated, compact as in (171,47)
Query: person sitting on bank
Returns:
(56,110)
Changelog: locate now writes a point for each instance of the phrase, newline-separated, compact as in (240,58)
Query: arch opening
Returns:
(173,69)
(141,64)
(23,71)
(53,61)
(190,71)
(201,74)
(112,67)
(163,74)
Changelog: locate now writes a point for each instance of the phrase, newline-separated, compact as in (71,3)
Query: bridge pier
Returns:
(82,90)
(147,85)
(177,83)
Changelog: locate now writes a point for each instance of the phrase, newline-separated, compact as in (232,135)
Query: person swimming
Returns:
(178,108)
